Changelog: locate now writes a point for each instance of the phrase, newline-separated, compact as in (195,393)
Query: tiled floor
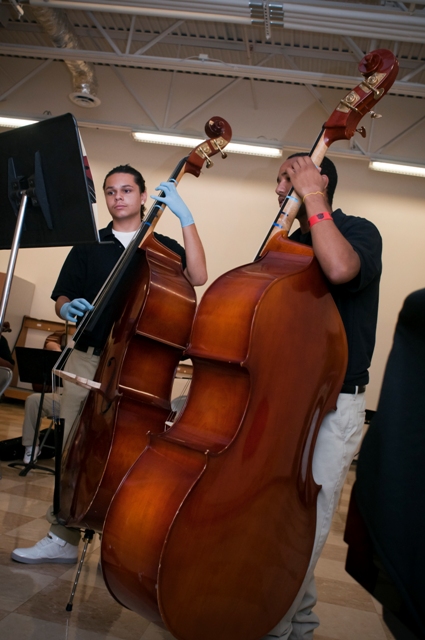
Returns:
(33,598)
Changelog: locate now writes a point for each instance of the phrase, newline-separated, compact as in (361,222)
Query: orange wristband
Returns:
(319,217)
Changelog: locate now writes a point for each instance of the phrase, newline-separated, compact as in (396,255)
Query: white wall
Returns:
(234,201)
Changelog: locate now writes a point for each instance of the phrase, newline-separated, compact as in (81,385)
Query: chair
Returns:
(5,380)
(35,366)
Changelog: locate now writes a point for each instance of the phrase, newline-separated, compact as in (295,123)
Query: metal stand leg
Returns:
(88,537)
(46,435)
(59,431)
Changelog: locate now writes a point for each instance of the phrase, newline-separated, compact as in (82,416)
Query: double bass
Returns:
(211,531)
(153,305)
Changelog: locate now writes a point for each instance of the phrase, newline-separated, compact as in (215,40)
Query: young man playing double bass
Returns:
(348,249)
(83,274)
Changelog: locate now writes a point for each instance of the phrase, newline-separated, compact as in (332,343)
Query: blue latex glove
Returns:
(174,202)
(75,309)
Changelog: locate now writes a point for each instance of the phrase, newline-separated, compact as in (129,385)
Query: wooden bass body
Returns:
(211,531)
(136,371)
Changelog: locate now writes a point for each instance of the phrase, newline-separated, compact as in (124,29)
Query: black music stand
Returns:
(35,366)
(46,191)
(46,197)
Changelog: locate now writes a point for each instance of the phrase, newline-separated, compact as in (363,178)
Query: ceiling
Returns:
(314,43)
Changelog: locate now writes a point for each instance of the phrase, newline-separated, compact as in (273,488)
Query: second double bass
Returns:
(226,500)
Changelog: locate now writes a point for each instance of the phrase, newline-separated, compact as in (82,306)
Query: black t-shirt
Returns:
(87,267)
(357,300)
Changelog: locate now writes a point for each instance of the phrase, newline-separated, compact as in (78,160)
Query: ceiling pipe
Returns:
(57,26)
(209,11)
(351,19)
(356,20)
(348,19)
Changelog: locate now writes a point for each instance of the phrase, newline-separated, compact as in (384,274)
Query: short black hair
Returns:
(138,179)
(327,169)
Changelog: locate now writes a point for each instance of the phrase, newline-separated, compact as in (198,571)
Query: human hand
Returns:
(75,309)
(306,177)
(174,202)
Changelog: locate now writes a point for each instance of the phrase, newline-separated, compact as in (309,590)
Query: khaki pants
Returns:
(73,396)
(50,407)
(72,401)
(337,443)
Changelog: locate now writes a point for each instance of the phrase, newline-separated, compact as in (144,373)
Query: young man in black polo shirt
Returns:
(348,249)
(84,272)
(88,266)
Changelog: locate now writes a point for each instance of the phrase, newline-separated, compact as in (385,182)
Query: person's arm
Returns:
(339,261)
(52,346)
(196,266)
(6,364)
(59,304)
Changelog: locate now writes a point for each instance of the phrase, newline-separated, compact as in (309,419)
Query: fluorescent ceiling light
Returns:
(392,167)
(254,150)
(183,141)
(15,122)
(159,138)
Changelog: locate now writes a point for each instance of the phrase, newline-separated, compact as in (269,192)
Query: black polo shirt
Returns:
(357,300)
(87,266)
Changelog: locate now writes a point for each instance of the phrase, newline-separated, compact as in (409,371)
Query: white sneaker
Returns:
(49,549)
(27,456)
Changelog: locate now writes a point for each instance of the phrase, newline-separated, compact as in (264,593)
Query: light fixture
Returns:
(17,7)
(392,167)
(183,141)
(15,122)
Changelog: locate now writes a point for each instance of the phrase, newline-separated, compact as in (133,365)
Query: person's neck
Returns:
(126,226)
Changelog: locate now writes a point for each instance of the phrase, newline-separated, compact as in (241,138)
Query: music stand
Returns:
(35,366)
(46,190)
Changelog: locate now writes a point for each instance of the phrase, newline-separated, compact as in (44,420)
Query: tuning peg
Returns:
(208,162)
(362,132)
(373,114)
(223,153)
(370,82)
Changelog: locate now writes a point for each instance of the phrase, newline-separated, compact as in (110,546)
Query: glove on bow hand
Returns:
(76,308)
